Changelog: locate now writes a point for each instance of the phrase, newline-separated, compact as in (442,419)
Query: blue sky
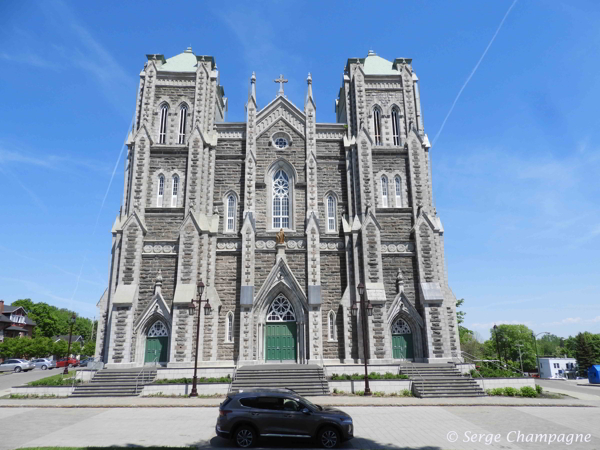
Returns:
(516,167)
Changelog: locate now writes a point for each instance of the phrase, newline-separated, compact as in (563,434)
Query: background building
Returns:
(14,322)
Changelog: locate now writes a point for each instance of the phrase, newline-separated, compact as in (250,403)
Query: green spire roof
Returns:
(376,65)
(184,62)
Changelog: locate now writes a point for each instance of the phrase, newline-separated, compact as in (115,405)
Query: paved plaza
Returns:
(418,427)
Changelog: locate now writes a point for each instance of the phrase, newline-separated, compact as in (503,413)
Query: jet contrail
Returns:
(101,208)
(473,71)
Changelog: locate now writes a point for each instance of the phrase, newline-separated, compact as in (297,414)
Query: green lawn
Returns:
(55,380)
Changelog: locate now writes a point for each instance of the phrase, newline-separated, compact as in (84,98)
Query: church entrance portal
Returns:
(281,332)
(157,343)
(402,340)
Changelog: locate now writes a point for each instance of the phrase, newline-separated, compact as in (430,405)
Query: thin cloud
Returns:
(51,162)
(473,71)
(30,59)
(488,325)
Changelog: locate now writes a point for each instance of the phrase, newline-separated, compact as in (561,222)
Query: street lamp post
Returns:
(192,310)
(497,345)
(364,310)
(72,321)
(520,358)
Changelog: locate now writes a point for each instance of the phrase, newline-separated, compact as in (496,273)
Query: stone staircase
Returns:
(305,379)
(440,380)
(116,383)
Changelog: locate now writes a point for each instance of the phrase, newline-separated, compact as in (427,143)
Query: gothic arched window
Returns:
(162,134)
(158,329)
(281,200)
(231,201)
(281,310)
(396,125)
(182,123)
(229,327)
(331,222)
(161,190)
(398,187)
(400,327)
(174,191)
(384,191)
(377,125)
(331,326)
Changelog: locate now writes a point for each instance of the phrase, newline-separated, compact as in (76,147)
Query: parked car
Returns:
(85,362)
(16,365)
(63,362)
(251,414)
(44,363)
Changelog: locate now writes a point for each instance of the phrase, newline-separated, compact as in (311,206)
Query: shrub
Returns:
(528,391)
(378,394)
(510,391)
(226,379)
(495,391)
(372,376)
(538,389)
(335,390)
(361,393)
(406,393)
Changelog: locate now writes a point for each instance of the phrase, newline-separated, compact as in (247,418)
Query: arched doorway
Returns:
(157,343)
(402,340)
(281,332)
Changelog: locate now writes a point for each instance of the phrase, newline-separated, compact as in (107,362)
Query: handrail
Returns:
(233,376)
(418,373)
(154,361)
(480,374)
(472,358)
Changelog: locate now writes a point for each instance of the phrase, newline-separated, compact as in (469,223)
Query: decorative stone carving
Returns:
(160,248)
(400,247)
(280,237)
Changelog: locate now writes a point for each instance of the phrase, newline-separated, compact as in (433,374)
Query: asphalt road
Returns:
(16,379)
(414,427)
(570,386)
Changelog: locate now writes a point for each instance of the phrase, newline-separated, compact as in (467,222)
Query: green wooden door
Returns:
(280,341)
(156,347)
(402,346)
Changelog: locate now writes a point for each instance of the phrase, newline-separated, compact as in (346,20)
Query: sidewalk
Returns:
(178,402)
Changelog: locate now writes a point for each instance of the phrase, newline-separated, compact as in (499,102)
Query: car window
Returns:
(12,361)
(248,402)
(291,405)
(270,403)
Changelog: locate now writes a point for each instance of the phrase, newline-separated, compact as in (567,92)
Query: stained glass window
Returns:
(281,310)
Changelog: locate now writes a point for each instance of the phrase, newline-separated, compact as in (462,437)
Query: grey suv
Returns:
(249,414)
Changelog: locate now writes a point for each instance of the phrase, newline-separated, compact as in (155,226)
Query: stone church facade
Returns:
(204,200)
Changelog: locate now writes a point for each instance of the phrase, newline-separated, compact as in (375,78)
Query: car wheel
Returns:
(17,369)
(70,366)
(44,367)
(329,438)
(245,436)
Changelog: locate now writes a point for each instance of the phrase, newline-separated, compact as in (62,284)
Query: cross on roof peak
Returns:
(280,80)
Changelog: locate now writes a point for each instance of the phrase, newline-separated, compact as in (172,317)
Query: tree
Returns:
(40,347)
(46,320)
(464,333)
(587,351)
(75,348)
(508,336)
(89,348)
(59,349)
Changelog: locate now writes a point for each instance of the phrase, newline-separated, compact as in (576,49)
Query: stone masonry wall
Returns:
(334,280)
(227,284)
(164,225)
(148,273)
(332,177)
(229,176)
(408,265)
(395,226)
